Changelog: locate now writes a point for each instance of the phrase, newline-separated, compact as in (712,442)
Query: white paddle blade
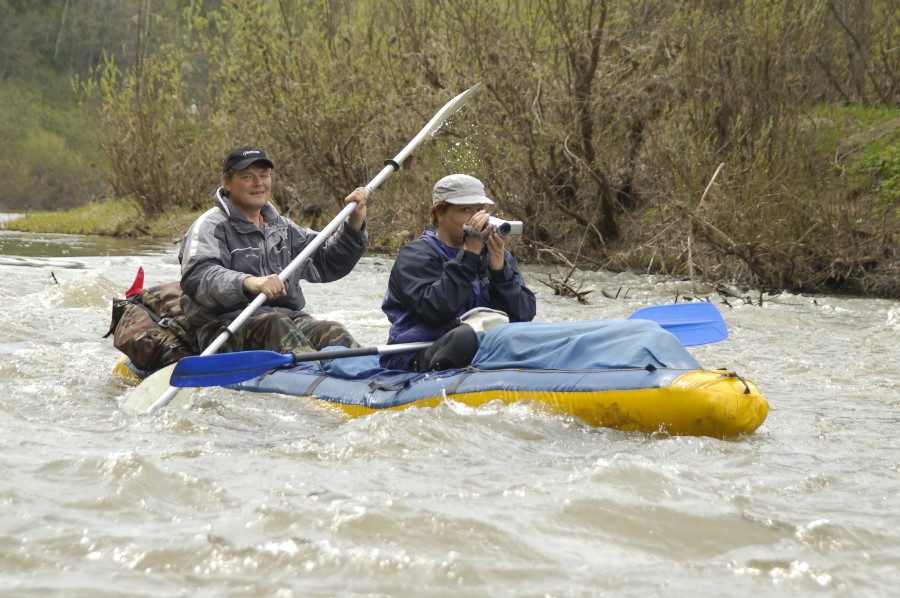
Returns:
(446,111)
(149,391)
(450,108)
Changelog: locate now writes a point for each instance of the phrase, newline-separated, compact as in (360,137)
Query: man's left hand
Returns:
(358,216)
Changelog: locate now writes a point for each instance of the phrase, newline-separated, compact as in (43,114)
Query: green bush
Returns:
(600,124)
(56,163)
(877,168)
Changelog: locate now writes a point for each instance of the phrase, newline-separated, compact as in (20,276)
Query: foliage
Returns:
(773,220)
(600,123)
(55,161)
(882,163)
(58,162)
(864,142)
(154,139)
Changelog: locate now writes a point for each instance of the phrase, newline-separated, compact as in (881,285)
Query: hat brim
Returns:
(469,200)
(245,164)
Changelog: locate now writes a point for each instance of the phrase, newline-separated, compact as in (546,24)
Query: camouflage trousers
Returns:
(277,332)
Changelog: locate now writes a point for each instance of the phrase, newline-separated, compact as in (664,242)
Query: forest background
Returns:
(742,142)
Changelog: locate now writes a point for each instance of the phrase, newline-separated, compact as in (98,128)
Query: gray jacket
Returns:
(222,248)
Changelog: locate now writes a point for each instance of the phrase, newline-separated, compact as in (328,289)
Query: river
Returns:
(259,495)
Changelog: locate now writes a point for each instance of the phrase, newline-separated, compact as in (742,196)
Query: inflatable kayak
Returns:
(630,375)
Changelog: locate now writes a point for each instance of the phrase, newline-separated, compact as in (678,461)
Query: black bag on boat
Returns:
(150,328)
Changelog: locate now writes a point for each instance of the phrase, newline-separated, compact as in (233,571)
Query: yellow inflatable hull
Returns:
(714,403)
(698,403)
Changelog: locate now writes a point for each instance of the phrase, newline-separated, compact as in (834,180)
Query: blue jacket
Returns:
(432,284)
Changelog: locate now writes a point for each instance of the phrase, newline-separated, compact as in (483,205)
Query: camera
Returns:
(505,228)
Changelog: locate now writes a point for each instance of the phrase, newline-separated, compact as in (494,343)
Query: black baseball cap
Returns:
(240,158)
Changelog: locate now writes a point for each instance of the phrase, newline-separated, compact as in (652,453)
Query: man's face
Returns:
(250,189)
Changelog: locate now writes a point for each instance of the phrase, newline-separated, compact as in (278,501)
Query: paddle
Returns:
(152,387)
(144,395)
(691,323)
(230,368)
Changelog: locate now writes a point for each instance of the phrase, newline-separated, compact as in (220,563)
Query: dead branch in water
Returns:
(563,287)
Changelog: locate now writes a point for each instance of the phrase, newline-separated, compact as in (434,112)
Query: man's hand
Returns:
(496,251)
(358,216)
(478,223)
(271,286)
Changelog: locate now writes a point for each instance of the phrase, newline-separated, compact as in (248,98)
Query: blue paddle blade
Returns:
(692,323)
(226,368)
(231,368)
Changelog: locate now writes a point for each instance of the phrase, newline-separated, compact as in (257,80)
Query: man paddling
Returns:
(235,251)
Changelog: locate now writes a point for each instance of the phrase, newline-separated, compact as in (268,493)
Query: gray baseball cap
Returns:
(461,190)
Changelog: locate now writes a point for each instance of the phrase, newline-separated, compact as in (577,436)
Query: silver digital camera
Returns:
(505,228)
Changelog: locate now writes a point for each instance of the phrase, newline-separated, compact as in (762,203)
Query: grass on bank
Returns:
(114,218)
(865,143)
(121,218)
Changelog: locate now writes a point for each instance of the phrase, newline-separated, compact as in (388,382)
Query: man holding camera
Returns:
(460,264)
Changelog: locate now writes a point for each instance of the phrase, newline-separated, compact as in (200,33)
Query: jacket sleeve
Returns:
(336,257)
(206,274)
(430,288)
(509,293)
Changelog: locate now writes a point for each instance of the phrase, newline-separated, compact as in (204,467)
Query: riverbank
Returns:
(122,218)
(113,218)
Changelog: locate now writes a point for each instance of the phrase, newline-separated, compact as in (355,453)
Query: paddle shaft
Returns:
(231,368)
(390,167)
(361,351)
